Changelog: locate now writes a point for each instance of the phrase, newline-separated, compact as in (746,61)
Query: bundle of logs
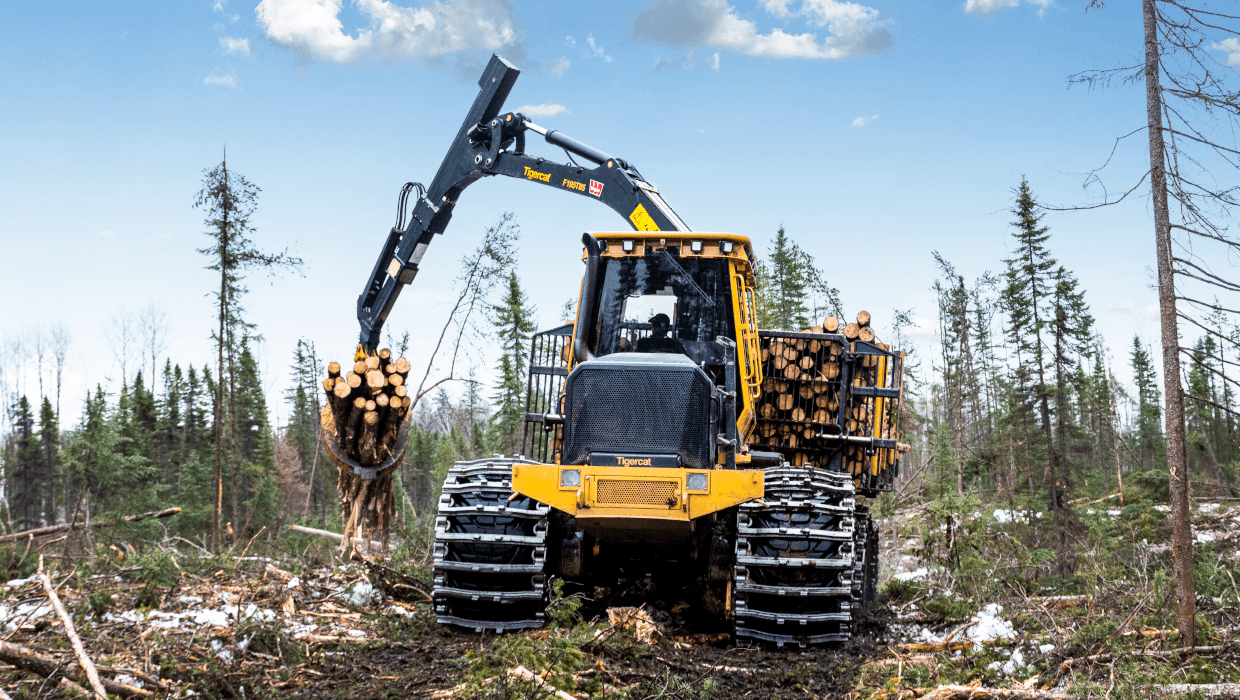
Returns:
(369,403)
(801,389)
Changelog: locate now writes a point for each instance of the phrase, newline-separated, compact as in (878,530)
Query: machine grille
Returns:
(628,491)
(638,410)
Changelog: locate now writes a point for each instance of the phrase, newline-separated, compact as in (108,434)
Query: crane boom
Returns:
(490,143)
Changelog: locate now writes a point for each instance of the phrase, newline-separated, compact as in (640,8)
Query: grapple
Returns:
(332,441)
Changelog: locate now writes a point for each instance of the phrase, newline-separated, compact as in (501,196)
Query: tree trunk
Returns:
(1177,464)
(218,426)
(232,437)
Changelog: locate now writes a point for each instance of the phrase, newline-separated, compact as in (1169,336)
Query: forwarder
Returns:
(666,435)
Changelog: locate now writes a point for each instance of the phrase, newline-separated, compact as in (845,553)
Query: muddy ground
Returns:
(168,625)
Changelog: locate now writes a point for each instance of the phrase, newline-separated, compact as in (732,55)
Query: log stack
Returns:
(800,391)
(800,411)
(367,404)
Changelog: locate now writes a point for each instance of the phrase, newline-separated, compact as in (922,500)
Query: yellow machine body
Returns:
(634,502)
(637,502)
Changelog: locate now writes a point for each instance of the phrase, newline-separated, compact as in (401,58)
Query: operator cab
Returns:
(664,302)
(664,350)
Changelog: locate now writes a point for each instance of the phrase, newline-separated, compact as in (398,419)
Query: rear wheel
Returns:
(795,559)
(865,565)
(490,550)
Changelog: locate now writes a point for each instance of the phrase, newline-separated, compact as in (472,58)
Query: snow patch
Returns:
(988,625)
(1009,516)
(12,617)
(362,593)
(1203,536)
(911,575)
(1046,648)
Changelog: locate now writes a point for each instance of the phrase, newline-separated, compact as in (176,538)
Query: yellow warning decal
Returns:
(641,219)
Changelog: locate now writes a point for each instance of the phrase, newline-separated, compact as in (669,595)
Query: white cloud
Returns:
(862,121)
(570,40)
(597,50)
(714,61)
(314,29)
(558,67)
(231,45)
(229,80)
(541,111)
(1232,46)
(1147,313)
(219,5)
(853,29)
(989,7)
(106,233)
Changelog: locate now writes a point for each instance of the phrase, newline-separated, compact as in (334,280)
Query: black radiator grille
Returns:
(638,410)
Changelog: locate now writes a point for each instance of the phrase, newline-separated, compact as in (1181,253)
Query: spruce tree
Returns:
(1071,330)
(22,467)
(514,323)
(49,459)
(1026,298)
(1151,447)
(229,201)
(169,429)
(792,294)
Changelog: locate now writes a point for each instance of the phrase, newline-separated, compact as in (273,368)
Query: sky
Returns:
(876,133)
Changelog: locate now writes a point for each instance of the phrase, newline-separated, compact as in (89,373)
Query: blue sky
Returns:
(875,133)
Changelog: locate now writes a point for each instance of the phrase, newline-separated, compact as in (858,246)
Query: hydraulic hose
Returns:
(588,311)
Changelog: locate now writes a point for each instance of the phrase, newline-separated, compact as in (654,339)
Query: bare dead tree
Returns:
(229,200)
(60,350)
(480,270)
(38,341)
(122,335)
(1192,111)
(153,325)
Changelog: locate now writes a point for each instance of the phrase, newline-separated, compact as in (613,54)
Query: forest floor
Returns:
(167,624)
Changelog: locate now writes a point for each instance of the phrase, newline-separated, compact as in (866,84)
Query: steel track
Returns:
(796,559)
(490,550)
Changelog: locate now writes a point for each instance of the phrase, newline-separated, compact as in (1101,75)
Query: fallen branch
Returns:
(1212,691)
(933,647)
(1098,500)
(87,665)
(1062,601)
(357,542)
(329,639)
(52,529)
(1170,653)
(41,664)
(524,674)
(277,573)
(969,692)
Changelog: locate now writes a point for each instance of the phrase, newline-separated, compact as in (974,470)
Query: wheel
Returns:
(795,559)
(490,550)
(865,566)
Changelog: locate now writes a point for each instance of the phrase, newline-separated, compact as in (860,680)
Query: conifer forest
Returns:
(1011,504)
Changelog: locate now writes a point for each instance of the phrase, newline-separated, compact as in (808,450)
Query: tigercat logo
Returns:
(535,175)
(634,461)
(573,185)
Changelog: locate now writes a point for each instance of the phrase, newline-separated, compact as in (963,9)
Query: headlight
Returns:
(570,477)
(696,482)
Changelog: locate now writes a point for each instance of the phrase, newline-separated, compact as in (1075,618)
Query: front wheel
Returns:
(490,550)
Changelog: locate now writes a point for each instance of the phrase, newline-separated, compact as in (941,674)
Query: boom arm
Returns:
(490,143)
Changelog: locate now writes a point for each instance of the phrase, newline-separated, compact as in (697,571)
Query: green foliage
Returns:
(157,568)
(513,318)
(1150,444)
(557,651)
(792,294)
(99,603)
